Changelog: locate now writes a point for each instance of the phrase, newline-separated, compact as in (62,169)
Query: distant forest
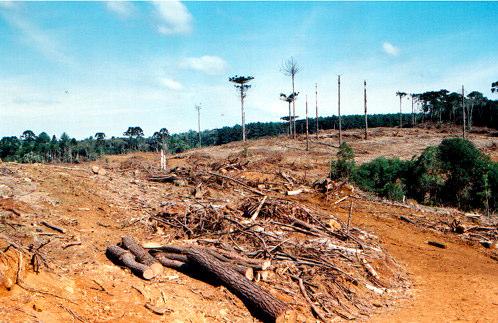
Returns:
(434,106)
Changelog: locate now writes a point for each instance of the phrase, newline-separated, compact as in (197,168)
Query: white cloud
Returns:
(171,84)
(7,4)
(124,9)
(38,38)
(175,17)
(211,65)
(390,49)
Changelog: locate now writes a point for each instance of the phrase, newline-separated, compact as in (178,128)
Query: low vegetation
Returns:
(455,173)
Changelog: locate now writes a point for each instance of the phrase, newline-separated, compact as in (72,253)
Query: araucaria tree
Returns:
(291,68)
(494,87)
(240,83)
(401,96)
(289,99)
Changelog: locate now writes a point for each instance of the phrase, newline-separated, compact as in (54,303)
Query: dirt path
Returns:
(459,283)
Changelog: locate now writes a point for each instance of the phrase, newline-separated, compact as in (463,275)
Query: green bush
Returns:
(380,174)
(344,166)
(455,173)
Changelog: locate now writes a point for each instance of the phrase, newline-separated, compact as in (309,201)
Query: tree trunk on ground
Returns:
(265,305)
(141,254)
(127,259)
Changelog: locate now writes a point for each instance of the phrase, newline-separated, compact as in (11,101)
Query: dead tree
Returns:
(316,109)
(291,68)
(198,108)
(240,83)
(307,131)
(463,111)
(365,103)
(339,107)
(401,95)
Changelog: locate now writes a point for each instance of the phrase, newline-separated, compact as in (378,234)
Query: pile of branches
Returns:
(315,259)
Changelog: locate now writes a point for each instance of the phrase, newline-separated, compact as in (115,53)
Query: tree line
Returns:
(436,106)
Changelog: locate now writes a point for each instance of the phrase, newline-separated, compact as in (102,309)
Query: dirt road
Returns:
(459,283)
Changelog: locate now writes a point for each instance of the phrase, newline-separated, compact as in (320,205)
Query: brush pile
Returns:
(313,258)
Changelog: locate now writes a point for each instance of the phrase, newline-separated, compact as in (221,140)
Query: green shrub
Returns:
(344,166)
(380,174)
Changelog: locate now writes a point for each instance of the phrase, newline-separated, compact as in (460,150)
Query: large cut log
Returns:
(163,258)
(265,305)
(222,255)
(142,255)
(127,259)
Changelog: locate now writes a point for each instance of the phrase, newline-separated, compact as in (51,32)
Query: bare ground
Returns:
(78,282)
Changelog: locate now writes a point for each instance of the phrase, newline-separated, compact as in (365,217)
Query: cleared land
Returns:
(77,282)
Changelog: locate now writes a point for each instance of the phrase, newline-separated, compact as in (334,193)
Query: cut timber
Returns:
(404,218)
(437,244)
(142,255)
(296,192)
(127,259)
(265,304)
(248,272)
(53,227)
(256,213)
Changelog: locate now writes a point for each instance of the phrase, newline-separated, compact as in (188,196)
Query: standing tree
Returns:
(463,113)
(401,95)
(291,68)
(240,83)
(307,131)
(365,103)
(198,108)
(316,109)
(339,107)
(133,133)
(161,138)
(494,87)
(414,100)
(476,99)
(289,99)
(28,136)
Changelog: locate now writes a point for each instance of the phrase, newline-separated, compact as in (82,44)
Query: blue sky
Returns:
(84,67)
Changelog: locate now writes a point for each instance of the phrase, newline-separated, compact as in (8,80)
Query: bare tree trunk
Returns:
(365,103)
(199,124)
(307,132)
(470,115)
(400,113)
(463,110)
(242,112)
(290,120)
(293,110)
(339,107)
(316,109)
(413,114)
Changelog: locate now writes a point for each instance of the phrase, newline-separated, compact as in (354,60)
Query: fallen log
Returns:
(53,227)
(437,244)
(296,192)
(247,272)
(265,305)
(127,259)
(142,255)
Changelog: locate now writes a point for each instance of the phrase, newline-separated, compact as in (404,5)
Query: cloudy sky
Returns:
(84,67)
